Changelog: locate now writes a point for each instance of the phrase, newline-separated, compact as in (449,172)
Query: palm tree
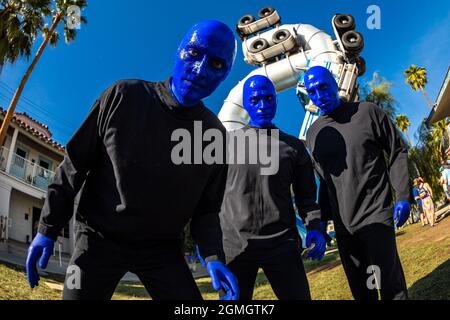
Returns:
(20,23)
(403,124)
(61,13)
(378,91)
(439,137)
(416,77)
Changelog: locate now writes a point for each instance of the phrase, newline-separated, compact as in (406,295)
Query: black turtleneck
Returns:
(131,192)
(349,147)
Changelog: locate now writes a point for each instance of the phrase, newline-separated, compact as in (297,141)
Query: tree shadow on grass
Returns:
(443,216)
(435,286)
(400,233)
(329,262)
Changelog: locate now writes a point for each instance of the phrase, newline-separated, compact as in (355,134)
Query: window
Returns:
(19,161)
(21,153)
(44,164)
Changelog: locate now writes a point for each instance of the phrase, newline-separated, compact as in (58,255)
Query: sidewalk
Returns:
(15,253)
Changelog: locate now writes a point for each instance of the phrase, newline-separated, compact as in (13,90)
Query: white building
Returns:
(441,109)
(28,161)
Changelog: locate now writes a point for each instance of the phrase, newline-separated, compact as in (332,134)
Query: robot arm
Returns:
(283,52)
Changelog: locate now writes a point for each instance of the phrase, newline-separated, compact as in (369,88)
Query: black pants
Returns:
(283,267)
(100,265)
(371,249)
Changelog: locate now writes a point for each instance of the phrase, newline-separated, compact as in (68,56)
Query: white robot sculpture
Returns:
(283,53)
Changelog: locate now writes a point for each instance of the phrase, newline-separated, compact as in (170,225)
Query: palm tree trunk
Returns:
(23,82)
(6,9)
(417,170)
(428,99)
(409,139)
(448,137)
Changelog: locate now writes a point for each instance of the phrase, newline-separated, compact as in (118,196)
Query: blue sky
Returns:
(137,39)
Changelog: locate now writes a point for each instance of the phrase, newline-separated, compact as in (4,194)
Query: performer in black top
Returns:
(257,216)
(135,202)
(348,144)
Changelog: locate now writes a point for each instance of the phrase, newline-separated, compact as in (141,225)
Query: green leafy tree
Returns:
(427,159)
(378,91)
(61,12)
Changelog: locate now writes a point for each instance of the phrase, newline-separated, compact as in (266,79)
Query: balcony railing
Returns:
(25,170)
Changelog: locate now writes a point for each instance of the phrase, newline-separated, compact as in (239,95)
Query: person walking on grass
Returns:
(426,196)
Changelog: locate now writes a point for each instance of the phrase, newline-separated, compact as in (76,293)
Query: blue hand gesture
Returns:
(401,213)
(320,245)
(223,279)
(40,249)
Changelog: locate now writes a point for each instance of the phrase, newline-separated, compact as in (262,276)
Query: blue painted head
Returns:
(203,60)
(322,89)
(260,101)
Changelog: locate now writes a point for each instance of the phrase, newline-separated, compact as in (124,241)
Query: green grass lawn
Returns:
(424,252)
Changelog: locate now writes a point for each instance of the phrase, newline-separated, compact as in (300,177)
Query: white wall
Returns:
(20,205)
(5,195)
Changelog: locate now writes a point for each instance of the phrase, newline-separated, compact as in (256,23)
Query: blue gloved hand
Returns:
(401,213)
(320,245)
(40,249)
(223,278)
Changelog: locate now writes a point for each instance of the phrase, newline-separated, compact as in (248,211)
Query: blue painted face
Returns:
(260,101)
(322,89)
(203,60)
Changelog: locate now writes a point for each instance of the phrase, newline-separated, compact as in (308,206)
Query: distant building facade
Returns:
(28,161)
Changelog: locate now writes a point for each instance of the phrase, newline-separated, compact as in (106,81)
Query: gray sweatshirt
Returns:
(257,211)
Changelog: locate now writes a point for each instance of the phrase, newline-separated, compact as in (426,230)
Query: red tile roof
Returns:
(47,139)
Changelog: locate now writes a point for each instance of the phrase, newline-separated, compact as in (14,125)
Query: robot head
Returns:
(203,60)
(260,101)
(322,89)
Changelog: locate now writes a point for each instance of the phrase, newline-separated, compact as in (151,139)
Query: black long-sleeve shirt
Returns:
(258,209)
(348,147)
(132,192)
